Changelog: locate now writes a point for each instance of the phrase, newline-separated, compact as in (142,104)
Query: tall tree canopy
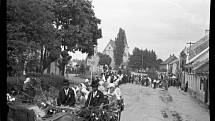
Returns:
(104,59)
(42,31)
(30,33)
(120,47)
(77,25)
(142,59)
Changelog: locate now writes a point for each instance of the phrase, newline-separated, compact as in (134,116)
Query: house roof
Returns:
(112,43)
(174,61)
(170,59)
(198,47)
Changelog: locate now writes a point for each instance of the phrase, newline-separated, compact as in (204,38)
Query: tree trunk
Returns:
(63,70)
(44,61)
(41,60)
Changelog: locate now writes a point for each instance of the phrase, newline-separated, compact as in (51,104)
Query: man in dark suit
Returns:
(95,97)
(66,96)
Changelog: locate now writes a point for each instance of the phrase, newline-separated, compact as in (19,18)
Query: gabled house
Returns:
(174,66)
(165,66)
(109,49)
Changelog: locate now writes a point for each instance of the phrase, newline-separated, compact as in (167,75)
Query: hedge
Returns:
(46,81)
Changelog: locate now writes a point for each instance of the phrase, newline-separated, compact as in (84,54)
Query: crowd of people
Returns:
(102,92)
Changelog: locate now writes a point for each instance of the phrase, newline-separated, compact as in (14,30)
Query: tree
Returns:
(120,47)
(30,34)
(42,30)
(142,59)
(77,25)
(104,59)
(135,60)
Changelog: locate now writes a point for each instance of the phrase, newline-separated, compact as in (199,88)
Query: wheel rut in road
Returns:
(168,113)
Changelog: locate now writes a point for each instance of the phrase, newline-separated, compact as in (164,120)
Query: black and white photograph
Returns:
(108,60)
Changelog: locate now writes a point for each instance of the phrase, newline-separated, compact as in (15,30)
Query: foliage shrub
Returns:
(47,81)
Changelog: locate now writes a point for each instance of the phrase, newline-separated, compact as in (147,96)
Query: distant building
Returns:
(109,49)
(174,66)
(165,66)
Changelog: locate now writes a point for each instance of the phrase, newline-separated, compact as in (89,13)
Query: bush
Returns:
(46,81)
(15,82)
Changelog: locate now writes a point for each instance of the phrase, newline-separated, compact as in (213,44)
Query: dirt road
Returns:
(147,104)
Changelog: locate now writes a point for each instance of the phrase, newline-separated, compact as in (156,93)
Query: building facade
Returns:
(196,70)
(167,65)
(109,49)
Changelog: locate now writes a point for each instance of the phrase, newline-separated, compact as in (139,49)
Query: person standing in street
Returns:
(186,87)
(66,96)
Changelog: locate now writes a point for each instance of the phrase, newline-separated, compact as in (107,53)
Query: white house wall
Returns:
(109,51)
(194,86)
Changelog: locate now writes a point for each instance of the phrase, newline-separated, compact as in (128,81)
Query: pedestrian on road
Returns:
(154,82)
(186,87)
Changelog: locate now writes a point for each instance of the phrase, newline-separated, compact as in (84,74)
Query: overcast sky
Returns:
(162,25)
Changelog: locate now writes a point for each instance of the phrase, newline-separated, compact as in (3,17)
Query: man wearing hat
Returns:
(66,96)
(95,97)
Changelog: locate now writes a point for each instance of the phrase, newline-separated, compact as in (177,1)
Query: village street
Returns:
(148,104)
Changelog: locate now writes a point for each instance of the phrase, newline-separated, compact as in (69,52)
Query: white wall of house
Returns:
(174,68)
(125,55)
(109,51)
(194,85)
(163,66)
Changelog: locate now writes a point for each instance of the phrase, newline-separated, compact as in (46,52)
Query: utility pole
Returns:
(190,43)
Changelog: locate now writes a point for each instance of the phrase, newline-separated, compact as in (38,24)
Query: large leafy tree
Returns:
(30,34)
(77,25)
(104,59)
(120,47)
(41,31)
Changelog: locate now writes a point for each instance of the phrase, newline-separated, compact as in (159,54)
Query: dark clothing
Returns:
(30,91)
(186,87)
(94,101)
(68,99)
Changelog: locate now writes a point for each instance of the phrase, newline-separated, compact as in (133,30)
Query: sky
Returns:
(164,26)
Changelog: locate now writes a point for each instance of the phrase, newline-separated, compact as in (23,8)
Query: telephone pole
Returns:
(190,43)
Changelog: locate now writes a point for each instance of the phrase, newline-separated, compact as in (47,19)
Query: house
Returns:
(109,49)
(166,66)
(196,69)
(174,66)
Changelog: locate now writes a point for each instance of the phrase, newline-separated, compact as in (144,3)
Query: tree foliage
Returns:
(30,34)
(142,59)
(41,31)
(119,47)
(77,25)
(104,59)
